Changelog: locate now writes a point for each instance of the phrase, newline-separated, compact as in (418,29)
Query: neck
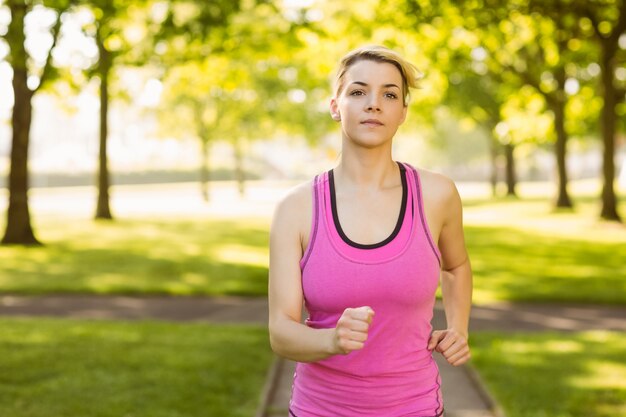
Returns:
(371,168)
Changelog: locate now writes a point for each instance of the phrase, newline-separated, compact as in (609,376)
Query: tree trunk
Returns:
(493,153)
(558,108)
(103,210)
(239,171)
(511,179)
(205,173)
(608,120)
(18,228)
(204,136)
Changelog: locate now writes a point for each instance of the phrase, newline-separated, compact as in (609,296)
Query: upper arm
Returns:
(288,227)
(451,238)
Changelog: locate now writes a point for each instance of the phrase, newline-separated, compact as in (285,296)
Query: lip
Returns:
(372,122)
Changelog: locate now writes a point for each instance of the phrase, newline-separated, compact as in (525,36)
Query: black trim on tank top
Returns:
(396,230)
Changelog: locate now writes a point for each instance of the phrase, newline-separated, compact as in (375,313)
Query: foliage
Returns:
(554,374)
(111,369)
(250,88)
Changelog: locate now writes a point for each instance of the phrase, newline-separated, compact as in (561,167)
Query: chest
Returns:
(332,283)
(368,217)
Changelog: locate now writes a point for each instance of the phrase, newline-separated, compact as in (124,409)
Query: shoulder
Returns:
(296,199)
(437,187)
(441,199)
(294,209)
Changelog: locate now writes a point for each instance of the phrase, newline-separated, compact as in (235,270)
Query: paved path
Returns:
(463,391)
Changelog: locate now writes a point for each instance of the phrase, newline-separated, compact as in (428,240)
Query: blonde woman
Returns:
(363,247)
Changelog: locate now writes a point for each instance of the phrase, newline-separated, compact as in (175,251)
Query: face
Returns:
(370,104)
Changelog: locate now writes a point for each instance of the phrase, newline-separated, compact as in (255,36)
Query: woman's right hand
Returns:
(352,329)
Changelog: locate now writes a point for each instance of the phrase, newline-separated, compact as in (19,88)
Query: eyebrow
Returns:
(366,84)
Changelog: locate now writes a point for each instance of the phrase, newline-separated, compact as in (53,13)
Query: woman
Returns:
(363,246)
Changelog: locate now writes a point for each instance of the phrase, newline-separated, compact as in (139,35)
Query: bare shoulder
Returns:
(293,211)
(437,188)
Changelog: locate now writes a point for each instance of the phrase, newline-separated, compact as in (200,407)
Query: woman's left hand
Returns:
(452,344)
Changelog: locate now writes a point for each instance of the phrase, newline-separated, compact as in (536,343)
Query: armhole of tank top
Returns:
(314,224)
(420,205)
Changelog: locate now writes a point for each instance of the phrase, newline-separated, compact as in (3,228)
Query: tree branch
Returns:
(47,68)
(587,12)
(620,26)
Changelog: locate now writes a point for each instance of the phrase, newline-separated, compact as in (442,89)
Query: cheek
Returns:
(346,110)
(402,113)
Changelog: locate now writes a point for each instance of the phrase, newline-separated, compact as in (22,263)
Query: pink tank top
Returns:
(394,374)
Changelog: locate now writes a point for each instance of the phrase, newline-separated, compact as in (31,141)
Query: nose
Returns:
(373,103)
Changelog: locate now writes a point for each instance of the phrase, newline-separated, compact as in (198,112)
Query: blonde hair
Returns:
(409,72)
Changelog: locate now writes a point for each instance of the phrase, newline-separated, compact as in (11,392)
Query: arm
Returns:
(288,336)
(456,284)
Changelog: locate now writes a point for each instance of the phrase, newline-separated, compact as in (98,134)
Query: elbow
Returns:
(274,344)
(452,268)
(275,340)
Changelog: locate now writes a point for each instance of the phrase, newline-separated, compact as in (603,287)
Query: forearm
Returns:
(298,342)
(456,288)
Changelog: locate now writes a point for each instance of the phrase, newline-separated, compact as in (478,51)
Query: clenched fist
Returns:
(352,328)
(451,344)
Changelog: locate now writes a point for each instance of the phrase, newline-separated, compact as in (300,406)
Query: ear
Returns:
(334,110)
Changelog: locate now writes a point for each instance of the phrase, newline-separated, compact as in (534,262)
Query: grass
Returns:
(522,250)
(67,368)
(210,256)
(554,375)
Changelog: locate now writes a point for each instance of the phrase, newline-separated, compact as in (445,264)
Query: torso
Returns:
(395,271)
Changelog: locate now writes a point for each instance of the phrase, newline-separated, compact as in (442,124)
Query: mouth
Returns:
(372,122)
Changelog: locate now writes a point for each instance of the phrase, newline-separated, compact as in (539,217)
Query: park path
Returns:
(464,392)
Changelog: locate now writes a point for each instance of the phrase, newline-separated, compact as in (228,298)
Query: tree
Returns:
(128,34)
(260,82)
(209,54)
(531,49)
(608,19)
(193,105)
(603,22)
(119,32)
(19,229)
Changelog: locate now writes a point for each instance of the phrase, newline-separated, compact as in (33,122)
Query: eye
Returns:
(357,93)
(392,96)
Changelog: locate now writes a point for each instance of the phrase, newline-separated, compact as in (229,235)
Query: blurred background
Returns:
(178,125)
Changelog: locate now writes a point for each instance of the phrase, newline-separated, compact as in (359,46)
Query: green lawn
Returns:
(69,368)
(134,256)
(554,375)
(521,250)
(516,265)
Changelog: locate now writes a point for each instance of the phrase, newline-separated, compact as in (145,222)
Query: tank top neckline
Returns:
(399,222)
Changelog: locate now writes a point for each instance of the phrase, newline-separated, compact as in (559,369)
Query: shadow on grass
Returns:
(547,375)
(513,265)
(150,257)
